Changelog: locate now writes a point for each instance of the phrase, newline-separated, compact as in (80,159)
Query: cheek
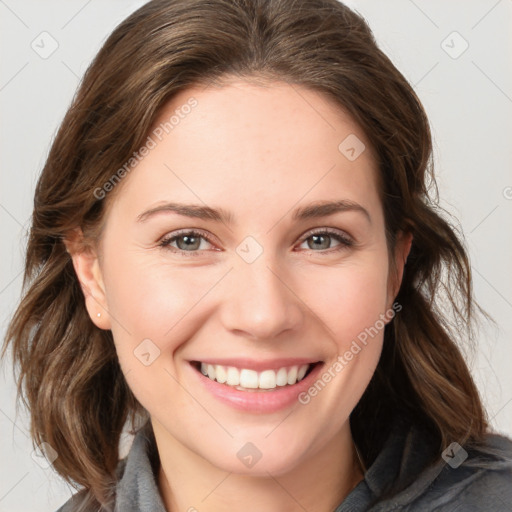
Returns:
(354,310)
(353,298)
(153,300)
(153,309)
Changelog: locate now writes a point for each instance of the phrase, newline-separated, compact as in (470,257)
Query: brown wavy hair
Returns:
(67,370)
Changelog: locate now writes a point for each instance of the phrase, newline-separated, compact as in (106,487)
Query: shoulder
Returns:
(79,502)
(82,501)
(473,480)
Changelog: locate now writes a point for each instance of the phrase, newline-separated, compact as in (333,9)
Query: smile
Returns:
(256,386)
(245,379)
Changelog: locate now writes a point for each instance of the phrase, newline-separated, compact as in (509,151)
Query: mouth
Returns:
(251,380)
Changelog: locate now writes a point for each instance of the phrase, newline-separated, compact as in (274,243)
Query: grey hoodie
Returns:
(463,481)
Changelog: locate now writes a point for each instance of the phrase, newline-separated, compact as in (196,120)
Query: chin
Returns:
(257,456)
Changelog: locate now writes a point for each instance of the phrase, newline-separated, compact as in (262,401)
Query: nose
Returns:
(260,302)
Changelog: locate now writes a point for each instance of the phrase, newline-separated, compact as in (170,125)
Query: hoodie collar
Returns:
(403,457)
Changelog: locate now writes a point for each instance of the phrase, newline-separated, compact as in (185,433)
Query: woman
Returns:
(234,254)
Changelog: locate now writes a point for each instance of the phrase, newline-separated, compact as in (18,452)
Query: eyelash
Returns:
(345,242)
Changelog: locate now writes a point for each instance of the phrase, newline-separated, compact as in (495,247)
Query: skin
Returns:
(258,152)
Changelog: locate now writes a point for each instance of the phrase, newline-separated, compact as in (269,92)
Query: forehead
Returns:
(246,143)
(268,117)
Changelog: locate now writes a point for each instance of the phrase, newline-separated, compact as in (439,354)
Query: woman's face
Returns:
(265,282)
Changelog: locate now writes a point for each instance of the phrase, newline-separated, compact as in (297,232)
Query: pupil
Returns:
(189,242)
(318,238)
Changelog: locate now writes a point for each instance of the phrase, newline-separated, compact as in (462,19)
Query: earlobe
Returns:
(88,271)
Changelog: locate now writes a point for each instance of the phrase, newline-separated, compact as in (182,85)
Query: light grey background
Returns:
(468,98)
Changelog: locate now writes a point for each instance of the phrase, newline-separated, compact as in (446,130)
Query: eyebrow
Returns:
(313,210)
(325,208)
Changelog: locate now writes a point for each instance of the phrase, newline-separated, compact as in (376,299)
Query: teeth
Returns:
(302,371)
(233,377)
(267,379)
(221,374)
(282,377)
(250,379)
(292,375)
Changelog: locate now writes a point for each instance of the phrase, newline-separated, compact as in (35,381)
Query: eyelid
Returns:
(328,231)
(345,241)
(164,241)
(187,231)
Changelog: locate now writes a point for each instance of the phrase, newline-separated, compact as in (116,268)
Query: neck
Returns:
(319,482)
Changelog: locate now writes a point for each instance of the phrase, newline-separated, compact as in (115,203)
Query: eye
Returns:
(322,239)
(186,242)
(190,242)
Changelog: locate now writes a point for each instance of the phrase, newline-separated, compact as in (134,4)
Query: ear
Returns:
(87,268)
(402,249)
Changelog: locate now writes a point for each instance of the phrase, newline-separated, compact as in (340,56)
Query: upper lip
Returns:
(258,365)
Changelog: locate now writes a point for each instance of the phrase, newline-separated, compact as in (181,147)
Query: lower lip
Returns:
(259,401)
